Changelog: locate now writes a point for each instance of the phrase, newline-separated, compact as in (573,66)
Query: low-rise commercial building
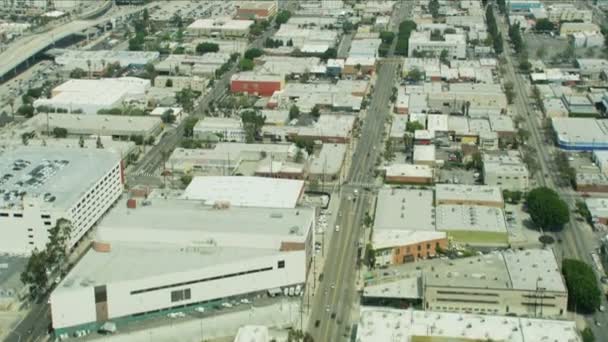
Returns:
(409,174)
(505,171)
(168,254)
(240,191)
(192,65)
(601,160)
(335,129)
(461,194)
(96,61)
(383,324)
(256,10)
(115,126)
(393,247)
(581,134)
(404,209)
(558,13)
(473,225)
(226,129)
(84,95)
(598,208)
(591,182)
(220,27)
(256,84)
(454,44)
(515,283)
(178,83)
(567,29)
(327,166)
(298,36)
(41,186)
(424,155)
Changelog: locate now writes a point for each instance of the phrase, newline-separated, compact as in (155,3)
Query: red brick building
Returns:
(256,10)
(254,84)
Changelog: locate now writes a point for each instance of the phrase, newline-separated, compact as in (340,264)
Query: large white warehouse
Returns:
(171,253)
(39,185)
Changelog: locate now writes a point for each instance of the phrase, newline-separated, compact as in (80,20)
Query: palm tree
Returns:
(89,67)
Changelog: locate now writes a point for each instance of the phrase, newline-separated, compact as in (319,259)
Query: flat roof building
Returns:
(256,10)
(506,171)
(84,95)
(100,59)
(224,129)
(393,247)
(220,27)
(242,191)
(513,282)
(454,44)
(581,134)
(42,185)
(462,194)
(116,126)
(383,324)
(404,209)
(328,164)
(165,253)
(424,155)
(473,225)
(409,174)
(256,84)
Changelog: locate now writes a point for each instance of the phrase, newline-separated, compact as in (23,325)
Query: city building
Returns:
(327,165)
(42,185)
(384,324)
(115,126)
(462,194)
(256,84)
(404,209)
(409,174)
(454,44)
(241,191)
(424,155)
(570,28)
(226,129)
(220,27)
(95,61)
(393,247)
(598,208)
(356,65)
(513,282)
(336,129)
(581,134)
(256,10)
(178,83)
(227,159)
(558,13)
(84,95)
(473,225)
(505,171)
(170,255)
(579,105)
(365,48)
(601,160)
(192,65)
(252,333)
(591,181)
(524,5)
(299,36)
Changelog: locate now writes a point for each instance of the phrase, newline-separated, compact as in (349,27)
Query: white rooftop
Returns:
(424,153)
(470,218)
(243,191)
(463,192)
(252,333)
(409,170)
(384,324)
(388,238)
(405,209)
(57,176)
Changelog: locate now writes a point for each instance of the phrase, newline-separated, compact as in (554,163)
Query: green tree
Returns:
(26,110)
(294,112)
(315,112)
(415,75)
(434,8)
(370,256)
(387,37)
(584,296)
(186,179)
(547,210)
(60,132)
(189,126)
(587,335)
(330,53)
(246,64)
(168,117)
(78,73)
(544,25)
(34,275)
(509,91)
(412,126)
(282,17)
(252,123)
(253,53)
(444,56)
(307,145)
(185,98)
(207,47)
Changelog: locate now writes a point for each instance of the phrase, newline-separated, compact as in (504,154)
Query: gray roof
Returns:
(405,209)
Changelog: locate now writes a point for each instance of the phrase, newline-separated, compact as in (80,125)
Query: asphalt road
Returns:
(575,243)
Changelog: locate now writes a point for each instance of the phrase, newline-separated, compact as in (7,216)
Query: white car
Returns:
(227,305)
(200,309)
(337,228)
(245,301)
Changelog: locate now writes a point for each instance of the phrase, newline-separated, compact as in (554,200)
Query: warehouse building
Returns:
(473,225)
(506,171)
(256,84)
(598,208)
(220,27)
(115,126)
(239,191)
(424,154)
(96,61)
(514,282)
(299,36)
(567,29)
(404,209)
(192,65)
(581,134)
(600,158)
(383,324)
(327,165)
(462,194)
(256,10)
(171,255)
(84,95)
(41,185)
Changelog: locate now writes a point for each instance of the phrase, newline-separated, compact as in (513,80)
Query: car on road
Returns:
(200,309)
(327,308)
(333,315)
(337,228)
(317,322)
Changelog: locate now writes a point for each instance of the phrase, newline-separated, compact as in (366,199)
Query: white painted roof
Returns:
(246,191)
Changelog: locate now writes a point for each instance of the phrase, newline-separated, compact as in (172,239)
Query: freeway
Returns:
(25,48)
(335,298)
(576,241)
